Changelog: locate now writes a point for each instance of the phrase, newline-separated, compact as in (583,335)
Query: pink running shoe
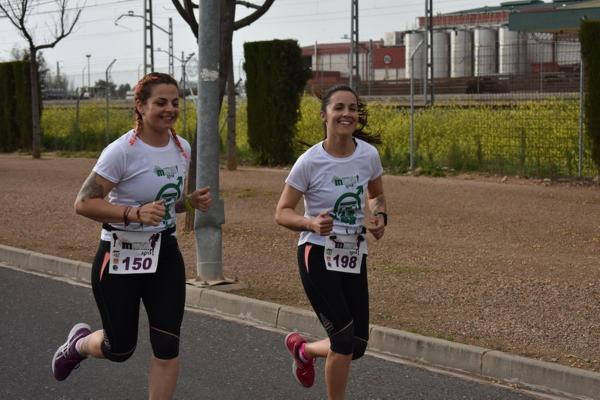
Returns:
(303,372)
(66,358)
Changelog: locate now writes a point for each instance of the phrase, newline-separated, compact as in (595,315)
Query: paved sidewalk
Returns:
(538,375)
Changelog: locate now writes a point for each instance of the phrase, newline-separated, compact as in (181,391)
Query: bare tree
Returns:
(18,13)
(228,25)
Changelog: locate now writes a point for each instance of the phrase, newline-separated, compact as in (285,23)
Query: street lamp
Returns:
(169,32)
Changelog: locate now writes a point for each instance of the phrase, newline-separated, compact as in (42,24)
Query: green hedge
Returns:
(276,77)
(15,106)
(589,36)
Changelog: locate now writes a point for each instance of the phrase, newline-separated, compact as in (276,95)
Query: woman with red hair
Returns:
(135,190)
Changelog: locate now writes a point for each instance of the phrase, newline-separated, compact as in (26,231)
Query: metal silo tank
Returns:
(441,51)
(461,53)
(485,51)
(512,51)
(411,40)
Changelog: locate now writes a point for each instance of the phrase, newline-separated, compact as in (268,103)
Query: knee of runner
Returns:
(117,352)
(165,345)
(117,357)
(360,346)
(342,342)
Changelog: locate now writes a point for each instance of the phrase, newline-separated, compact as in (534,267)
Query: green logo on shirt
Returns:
(347,205)
(170,193)
(168,172)
(348,181)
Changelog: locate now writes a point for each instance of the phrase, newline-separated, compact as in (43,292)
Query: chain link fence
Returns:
(503,102)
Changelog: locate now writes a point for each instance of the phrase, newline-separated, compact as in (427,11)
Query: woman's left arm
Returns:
(199,199)
(378,219)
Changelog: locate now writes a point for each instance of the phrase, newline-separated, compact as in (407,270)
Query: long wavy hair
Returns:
(360,132)
(142,92)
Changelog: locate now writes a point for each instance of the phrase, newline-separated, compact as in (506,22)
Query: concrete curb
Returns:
(488,363)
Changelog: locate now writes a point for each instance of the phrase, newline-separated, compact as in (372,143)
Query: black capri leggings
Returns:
(118,300)
(340,300)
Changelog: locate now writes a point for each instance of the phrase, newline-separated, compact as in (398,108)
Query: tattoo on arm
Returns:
(91,189)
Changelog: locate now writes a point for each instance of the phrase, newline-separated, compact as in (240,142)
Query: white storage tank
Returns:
(512,51)
(485,51)
(441,53)
(411,40)
(461,53)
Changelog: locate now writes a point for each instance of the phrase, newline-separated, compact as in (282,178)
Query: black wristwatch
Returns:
(384,217)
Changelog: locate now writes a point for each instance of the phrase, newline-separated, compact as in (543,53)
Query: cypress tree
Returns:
(589,36)
(275,80)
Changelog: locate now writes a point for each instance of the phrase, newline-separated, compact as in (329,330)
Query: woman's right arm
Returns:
(286,215)
(90,203)
(90,200)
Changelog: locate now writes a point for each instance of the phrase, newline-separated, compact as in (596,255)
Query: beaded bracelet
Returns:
(126,215)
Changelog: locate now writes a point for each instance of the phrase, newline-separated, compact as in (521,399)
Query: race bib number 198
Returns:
(134,252)
(344,253)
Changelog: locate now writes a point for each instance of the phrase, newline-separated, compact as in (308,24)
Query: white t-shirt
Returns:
(144,173)
(337,185)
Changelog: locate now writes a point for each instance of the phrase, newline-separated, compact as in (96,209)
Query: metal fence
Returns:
(508,104)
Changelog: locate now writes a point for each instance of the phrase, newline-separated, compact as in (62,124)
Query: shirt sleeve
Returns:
(376,167)
(298,177)
(111,164)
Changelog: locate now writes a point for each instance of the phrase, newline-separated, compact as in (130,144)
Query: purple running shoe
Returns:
(66,358)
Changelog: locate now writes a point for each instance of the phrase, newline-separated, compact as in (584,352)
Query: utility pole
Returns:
(148,37)
(354,44)
(428,52)
(207,225)
(171,55)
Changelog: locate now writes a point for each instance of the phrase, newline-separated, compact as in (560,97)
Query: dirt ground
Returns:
(509,264)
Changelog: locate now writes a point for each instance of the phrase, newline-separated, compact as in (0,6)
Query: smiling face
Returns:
(341,114)
(160,111)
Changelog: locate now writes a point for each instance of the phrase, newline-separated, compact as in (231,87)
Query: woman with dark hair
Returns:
(334,176)
(142,175)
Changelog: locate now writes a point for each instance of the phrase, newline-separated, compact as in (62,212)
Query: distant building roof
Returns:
(524,5)
(496,15)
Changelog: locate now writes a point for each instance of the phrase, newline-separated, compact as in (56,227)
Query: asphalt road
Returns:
(221,359)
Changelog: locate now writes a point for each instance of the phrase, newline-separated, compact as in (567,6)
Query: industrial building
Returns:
(515,46)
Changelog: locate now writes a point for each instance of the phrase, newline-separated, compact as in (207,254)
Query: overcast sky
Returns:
(307,21)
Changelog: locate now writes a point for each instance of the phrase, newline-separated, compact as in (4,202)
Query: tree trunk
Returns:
(35,104)
(191,183)
(226,57)
(231,104)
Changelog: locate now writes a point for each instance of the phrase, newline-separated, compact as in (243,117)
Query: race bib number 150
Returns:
(134,252)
